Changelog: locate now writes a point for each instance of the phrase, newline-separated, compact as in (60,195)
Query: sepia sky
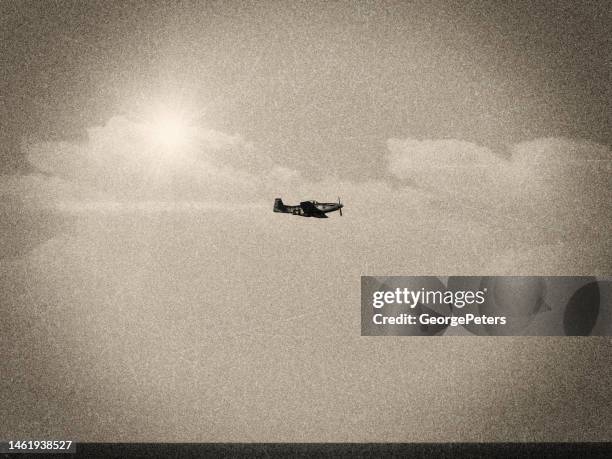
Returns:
(149,292)
(320,86)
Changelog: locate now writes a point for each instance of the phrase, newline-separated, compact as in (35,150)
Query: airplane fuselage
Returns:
(308,208)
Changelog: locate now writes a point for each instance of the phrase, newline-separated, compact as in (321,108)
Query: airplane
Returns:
(308,208)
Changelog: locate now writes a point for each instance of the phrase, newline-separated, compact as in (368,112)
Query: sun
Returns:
(170,129)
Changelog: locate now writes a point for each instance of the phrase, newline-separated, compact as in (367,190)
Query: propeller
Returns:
(340,204)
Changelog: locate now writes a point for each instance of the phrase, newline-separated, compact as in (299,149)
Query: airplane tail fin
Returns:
(279,206)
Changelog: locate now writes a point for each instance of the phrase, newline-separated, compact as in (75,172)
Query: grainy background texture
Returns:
(148,292)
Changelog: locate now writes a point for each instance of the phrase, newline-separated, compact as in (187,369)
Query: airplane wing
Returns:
(310,209)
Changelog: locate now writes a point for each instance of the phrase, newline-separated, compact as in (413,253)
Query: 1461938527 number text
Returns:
(57,446)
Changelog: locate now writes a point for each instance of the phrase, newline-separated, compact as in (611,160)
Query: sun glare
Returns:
(170,130)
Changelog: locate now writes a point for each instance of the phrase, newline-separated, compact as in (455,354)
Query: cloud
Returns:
(285,174)
(452,194)
(121,166)
(125,161)
(144,207)
(126,167)
(554,183)
(538,182)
